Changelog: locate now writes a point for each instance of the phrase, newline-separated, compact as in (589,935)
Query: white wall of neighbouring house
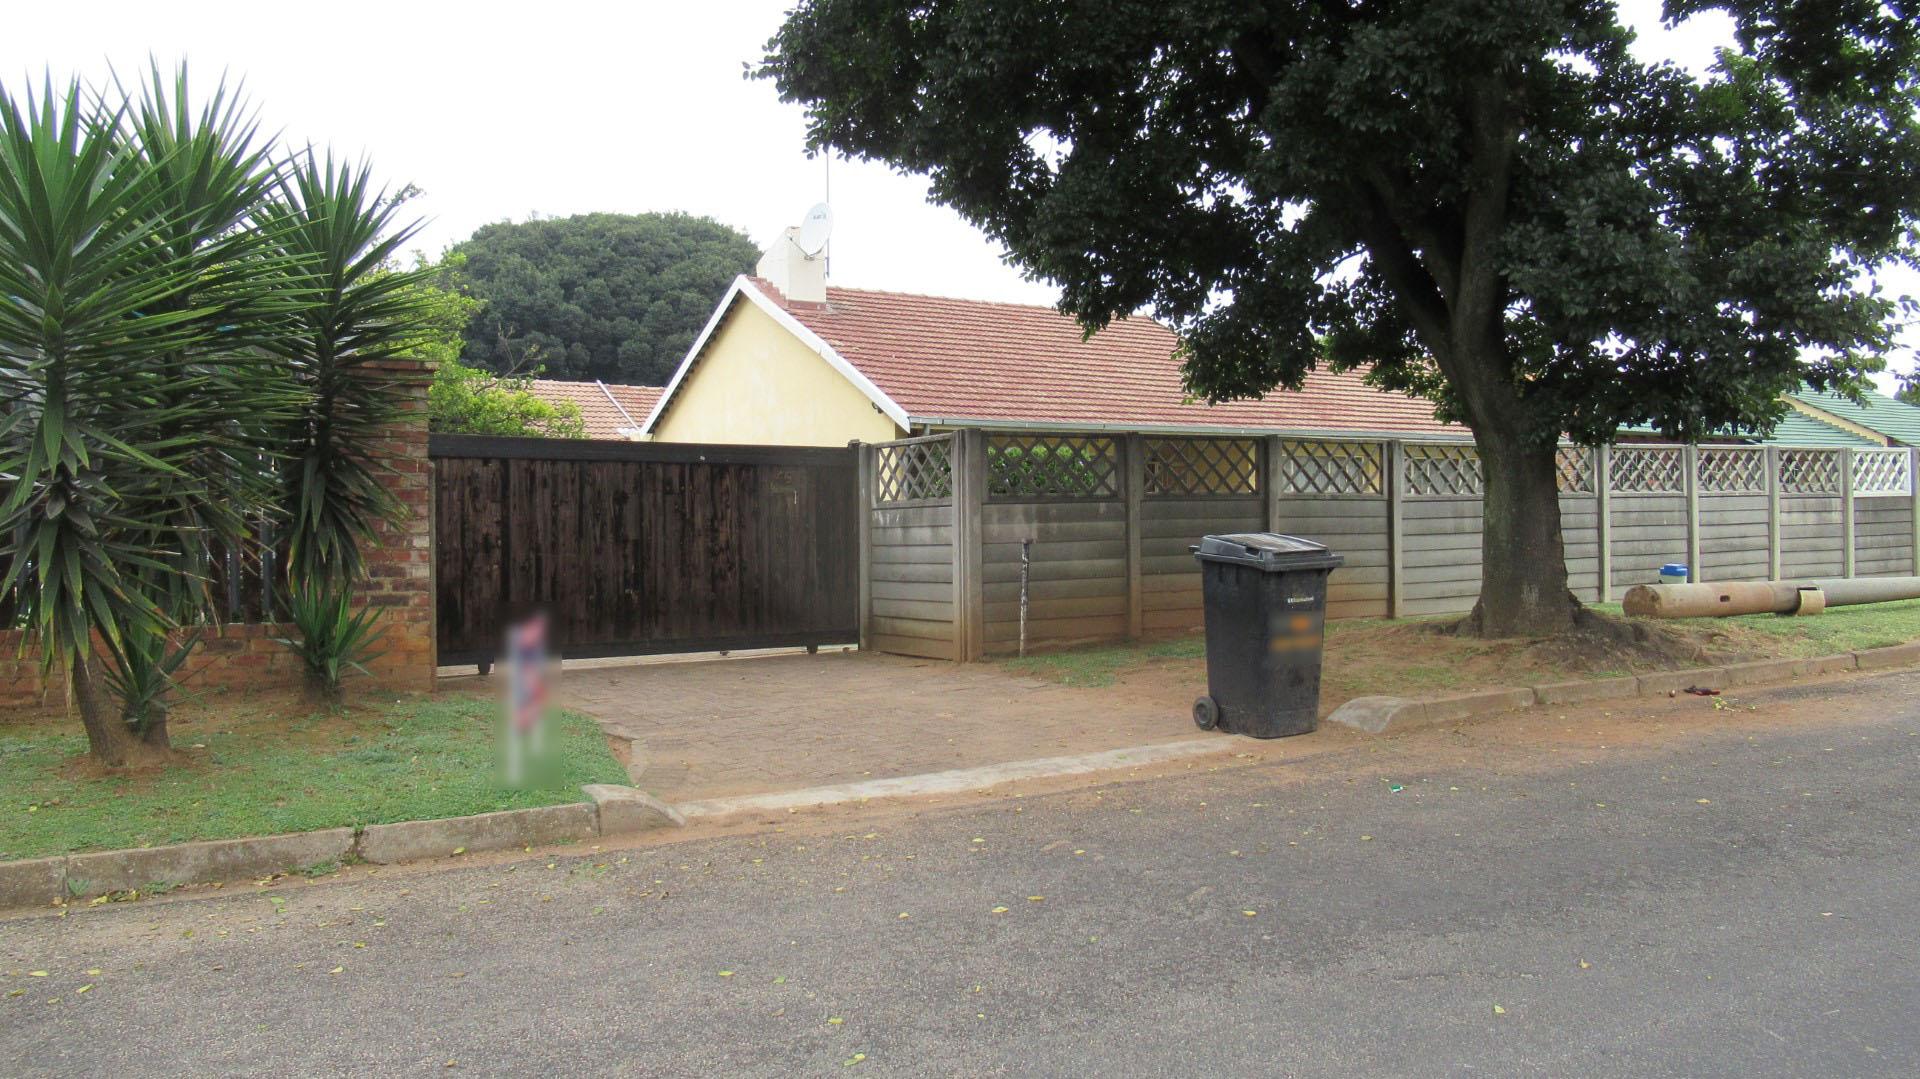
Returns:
(757,384)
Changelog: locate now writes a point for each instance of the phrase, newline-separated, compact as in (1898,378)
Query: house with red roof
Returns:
(785,359)
(608,410)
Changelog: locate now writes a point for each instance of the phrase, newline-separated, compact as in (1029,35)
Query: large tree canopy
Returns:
(608,296)
(1492,203)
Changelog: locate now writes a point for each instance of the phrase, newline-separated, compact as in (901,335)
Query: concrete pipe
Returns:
(1763,597)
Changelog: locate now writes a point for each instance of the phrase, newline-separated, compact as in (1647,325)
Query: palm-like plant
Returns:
(130,295)
(338,232)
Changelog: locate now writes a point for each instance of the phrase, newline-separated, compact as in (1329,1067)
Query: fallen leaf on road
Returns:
(1036,899)
(835,1021)
(1584,964)
(852,1060)
(726,974)
(459,850)
(42,973)
(999,910)
(1250,913)
(83,988)
(1498,1010)
(336,970)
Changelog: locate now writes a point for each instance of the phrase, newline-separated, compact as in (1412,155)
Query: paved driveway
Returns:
(774,723)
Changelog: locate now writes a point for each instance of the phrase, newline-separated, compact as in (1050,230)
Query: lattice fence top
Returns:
(917,471)
(1648,470)
(1573,470)
(1202,466)
(1882,473)
(1329,468)
(1810,472)
(1443,472)
(1052,466)
(1731,471)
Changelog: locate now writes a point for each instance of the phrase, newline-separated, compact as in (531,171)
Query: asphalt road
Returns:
(1686,889)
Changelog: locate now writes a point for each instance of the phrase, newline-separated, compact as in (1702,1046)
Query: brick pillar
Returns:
(399,558)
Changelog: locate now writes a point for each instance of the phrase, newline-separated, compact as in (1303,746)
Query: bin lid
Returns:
(1268,551)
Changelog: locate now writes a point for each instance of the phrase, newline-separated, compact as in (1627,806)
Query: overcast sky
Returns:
(499,111)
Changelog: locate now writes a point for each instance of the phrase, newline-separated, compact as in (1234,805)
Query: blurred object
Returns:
(525,754)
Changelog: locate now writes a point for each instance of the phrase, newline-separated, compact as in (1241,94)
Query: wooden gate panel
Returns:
(635,548)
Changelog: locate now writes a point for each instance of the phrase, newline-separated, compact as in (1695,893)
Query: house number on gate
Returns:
(785,483)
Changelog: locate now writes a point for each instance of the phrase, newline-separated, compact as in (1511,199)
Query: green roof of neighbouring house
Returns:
(1794,429)
(1875,411)
(1799,429)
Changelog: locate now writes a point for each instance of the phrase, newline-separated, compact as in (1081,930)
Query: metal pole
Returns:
(1026,564)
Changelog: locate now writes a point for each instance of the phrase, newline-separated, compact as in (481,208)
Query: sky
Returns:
(499,111)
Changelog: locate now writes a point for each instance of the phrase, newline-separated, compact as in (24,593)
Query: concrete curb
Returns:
(955,781)
(613,810)
(1391,715)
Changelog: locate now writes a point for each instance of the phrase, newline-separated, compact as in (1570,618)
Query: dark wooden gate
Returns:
(634,547)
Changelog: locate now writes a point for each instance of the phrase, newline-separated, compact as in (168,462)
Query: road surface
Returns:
(1683,888)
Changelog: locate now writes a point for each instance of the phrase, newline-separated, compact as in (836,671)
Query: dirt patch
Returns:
(1419,659)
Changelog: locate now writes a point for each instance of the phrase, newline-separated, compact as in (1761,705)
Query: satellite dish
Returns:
(814,230)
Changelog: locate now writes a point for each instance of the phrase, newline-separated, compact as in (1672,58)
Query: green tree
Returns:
(597,296)
(468,400)
(134,295)
(1491,203)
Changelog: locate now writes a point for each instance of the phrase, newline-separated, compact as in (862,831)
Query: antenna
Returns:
(815,228)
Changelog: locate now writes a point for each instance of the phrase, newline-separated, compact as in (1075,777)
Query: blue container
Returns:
(1673,573)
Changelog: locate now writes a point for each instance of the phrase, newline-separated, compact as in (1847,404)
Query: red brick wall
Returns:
(399,579)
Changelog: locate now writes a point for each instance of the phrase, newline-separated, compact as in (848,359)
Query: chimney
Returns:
(799,278)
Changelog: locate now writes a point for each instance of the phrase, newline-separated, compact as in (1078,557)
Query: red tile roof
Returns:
(949,360)
(602,417)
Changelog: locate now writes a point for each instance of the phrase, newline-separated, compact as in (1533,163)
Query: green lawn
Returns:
(1839,629)
(1370,655)
(262,774)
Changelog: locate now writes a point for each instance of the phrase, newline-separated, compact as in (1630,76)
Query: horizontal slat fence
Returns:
(1108,521)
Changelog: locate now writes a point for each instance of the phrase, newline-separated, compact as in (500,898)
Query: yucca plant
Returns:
(132,299)
(341,235)
(331,639)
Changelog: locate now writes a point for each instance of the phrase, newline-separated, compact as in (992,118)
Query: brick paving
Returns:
(750,726)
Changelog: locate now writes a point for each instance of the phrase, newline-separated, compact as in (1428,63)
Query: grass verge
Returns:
(251,768)
(1405,658)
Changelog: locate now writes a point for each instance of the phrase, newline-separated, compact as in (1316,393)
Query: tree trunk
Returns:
(1523,575)
(153,733)
(109,739)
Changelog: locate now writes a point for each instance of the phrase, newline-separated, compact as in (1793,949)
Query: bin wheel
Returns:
(1206,713)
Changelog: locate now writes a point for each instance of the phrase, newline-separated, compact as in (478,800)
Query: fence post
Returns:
(1773,513)
(1913,508)
(1602,524)
(1395,484)
(1846,513)
(1134,450)
(863,498)
(969,501)
(1270,483)
(1690,461)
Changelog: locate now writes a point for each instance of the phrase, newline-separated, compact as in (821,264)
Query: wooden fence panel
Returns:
(634,548)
